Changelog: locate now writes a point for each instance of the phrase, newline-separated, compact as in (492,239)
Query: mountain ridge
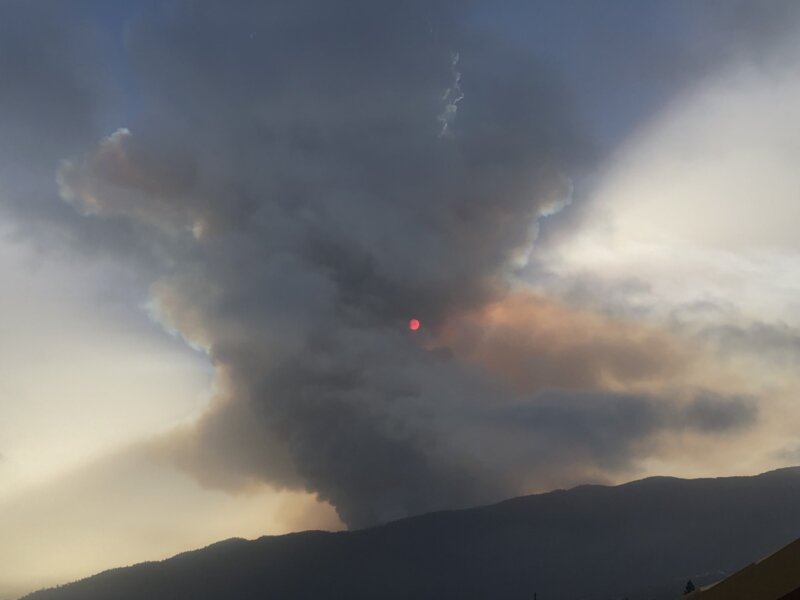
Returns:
(642,539)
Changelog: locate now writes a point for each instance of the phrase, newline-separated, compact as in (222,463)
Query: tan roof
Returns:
(776,577)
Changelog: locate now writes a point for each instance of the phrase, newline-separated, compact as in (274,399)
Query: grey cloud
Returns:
(720,325)
(46,107)
(47,103)
(56,89)
(711,412)
(286,173)
(775,342)
(604,428)
(306,205)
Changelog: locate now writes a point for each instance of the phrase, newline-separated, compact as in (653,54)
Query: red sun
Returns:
(413,324)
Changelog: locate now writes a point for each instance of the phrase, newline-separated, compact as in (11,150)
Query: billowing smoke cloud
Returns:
(291,173)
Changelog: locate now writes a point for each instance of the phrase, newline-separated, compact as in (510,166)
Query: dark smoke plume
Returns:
(310,175)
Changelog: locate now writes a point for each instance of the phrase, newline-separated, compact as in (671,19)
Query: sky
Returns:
(216,223)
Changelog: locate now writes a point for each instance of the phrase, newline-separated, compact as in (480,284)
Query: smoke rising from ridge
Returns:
(289,175)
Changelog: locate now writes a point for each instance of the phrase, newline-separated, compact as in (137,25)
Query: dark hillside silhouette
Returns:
(642,540)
